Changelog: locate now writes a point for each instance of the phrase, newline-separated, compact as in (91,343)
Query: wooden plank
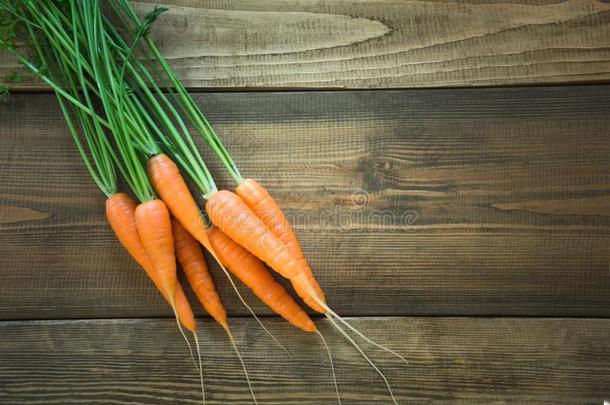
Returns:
(381,44)
(456,360)
(462,202)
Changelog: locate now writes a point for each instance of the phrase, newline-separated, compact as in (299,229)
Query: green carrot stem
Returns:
(177,139)
(185,101)
(102,170)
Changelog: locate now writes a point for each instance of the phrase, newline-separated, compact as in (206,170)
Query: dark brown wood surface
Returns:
(422,212)
(440,202)
(381,44)
(451,360)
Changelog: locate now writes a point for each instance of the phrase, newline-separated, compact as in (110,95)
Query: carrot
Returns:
(169,184)
(120,212)
(265,207)
(269,212)
(155,230)
(195,268)
(253,273)
(154,227)
(231,214)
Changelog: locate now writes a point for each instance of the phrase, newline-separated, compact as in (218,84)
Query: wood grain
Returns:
(461,202)
(455,360)
(381,44)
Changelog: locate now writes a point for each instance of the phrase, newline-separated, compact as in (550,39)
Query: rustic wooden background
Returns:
(466,227)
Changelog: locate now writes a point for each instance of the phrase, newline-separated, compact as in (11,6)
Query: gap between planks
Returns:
(196,90)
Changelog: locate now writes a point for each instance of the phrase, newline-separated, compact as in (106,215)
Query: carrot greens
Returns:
(170,82)
(79,111)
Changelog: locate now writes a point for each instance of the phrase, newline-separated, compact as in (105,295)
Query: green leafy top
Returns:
(172,85)
(38,23)
(164,122)
(83,57)
(73,56)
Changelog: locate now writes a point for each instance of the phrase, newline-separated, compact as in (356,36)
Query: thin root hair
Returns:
(348,337)
(332,366)
(243,301)
(243,365)
(357,332)
(200,368)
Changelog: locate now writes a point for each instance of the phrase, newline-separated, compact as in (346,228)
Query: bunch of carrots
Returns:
(131,116)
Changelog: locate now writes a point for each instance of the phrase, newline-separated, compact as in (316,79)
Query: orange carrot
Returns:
(169,184)
(193,264)
(252,272)
(264,206)
(190,257)
(231,214)
(120,212)
(155,230)
(154,227)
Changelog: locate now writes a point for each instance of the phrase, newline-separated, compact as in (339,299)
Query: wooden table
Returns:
(466,227)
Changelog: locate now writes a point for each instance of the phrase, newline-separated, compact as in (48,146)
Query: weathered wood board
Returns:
(456,360)
(455,202)
(381,44)
(422,212)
